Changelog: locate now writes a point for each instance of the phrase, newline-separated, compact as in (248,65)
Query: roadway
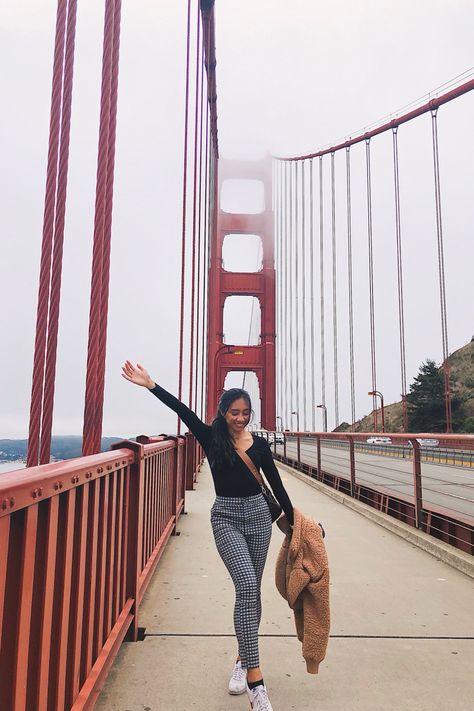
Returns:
(449,487)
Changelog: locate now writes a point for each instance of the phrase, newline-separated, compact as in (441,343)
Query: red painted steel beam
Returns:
(261,358)
(234,283)
(430,105)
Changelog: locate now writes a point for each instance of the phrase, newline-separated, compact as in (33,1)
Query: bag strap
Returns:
(246,459)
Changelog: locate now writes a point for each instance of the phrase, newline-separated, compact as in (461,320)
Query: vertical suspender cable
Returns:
(334,288)
(401,316)
(281,262)
(183,221)
(102,224)
(291,292)
(47,242)
(285,309)
(371,280)
(275,243)
(198,370)
(204,259)
(209,218)
(297,298)
(311,262)
(303,261)
(350,277)
(321,287)
(442,282)
(192,364)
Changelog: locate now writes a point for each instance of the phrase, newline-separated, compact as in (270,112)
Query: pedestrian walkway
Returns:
(402,636)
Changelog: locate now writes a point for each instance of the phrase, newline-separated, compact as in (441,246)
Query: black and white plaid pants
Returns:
(242,528)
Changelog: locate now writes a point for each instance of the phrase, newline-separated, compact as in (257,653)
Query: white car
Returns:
(379,440)
(429,442)
(279,438)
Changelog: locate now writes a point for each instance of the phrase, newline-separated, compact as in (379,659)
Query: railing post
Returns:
(417,485)
(284,445)
(174,493)
(182,465)
(352,466)
(298,449)
(196,459)
(134,497)
(189,471)
(318,456)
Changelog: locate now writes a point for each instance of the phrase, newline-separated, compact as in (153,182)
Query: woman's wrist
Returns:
(150,384)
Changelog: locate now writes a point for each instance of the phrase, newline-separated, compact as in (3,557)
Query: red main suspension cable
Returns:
(57,160)
(102,222)
(53,320)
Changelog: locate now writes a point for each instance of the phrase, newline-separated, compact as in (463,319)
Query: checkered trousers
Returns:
(242,528)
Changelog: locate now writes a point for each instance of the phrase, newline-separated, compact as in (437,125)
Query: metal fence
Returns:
(430,489)
(79,541)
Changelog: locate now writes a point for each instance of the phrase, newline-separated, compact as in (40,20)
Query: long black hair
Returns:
(222,448)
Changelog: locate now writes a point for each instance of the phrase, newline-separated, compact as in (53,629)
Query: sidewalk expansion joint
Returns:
(293,636)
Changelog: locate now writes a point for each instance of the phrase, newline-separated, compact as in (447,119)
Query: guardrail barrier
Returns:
(432,490)
(79,541)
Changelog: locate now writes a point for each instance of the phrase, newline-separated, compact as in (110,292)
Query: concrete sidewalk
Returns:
(398,616)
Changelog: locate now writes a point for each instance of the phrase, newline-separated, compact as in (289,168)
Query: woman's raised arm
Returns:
(139,376)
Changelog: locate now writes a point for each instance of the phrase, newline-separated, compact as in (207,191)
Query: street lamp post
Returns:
(325,417)
(297,420)
(374,393)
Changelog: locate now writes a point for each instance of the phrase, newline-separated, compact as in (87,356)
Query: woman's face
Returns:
(237,416)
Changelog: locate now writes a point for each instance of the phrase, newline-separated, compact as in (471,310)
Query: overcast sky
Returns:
(291,78)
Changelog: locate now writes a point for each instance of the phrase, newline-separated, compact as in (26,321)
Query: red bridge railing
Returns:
(412,498)
(79,541)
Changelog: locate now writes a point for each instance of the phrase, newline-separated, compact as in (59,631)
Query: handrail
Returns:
(352,474)
(79,541)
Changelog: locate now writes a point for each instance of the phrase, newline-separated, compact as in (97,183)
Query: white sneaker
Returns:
(258,698)
(238,680)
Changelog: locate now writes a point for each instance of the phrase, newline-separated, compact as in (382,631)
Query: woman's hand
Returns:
(284,525)
(137,375)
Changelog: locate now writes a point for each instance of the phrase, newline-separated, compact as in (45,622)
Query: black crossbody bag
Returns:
(273,505)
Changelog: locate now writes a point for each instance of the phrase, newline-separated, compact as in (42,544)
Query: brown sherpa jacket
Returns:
(302,578)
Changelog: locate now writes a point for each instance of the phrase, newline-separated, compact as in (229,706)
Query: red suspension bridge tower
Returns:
(259,359)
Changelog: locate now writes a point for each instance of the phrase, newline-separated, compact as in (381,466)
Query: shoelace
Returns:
(261,700)
(239,673)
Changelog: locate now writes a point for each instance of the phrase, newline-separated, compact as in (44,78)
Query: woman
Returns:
(240,517)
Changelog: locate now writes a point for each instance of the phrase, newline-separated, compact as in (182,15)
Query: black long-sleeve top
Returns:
(235,479)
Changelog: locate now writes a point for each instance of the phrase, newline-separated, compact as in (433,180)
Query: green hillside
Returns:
(461,364)
(67,447)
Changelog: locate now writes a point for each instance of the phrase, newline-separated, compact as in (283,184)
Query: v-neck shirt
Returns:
(235,479)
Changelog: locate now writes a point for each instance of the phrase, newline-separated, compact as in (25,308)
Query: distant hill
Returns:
(67,447)
(461,364)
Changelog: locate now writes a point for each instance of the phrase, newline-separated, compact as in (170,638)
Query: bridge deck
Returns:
(397,614)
